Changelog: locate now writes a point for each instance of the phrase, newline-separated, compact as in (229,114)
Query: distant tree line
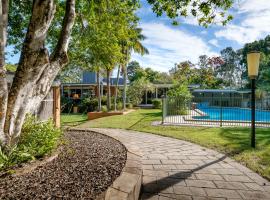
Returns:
(229,70)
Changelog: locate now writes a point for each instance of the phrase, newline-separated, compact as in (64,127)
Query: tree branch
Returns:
(60,51)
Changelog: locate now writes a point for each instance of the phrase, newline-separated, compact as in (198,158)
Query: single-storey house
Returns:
(88,87)
(160,90)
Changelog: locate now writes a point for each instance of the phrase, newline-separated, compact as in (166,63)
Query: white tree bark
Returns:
(108,90)
(116,89)
(36,69)
(98,90)
(125,87)
(3,80)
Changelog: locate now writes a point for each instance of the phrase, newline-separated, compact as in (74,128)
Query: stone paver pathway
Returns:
(176,169)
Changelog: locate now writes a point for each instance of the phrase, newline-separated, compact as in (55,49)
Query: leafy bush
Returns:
(137,89)
(180,97)
(129,105)
(156,103)
(177,106)
(37,140)
(119,106)
(104,108)
(66,104)
(149,101)
(104,100)
(89,104)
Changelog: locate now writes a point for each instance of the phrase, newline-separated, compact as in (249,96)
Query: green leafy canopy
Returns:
(206,12)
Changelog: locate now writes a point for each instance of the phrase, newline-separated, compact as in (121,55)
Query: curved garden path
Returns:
(176,169)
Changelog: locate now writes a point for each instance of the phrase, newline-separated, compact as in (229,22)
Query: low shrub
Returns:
(89,104)
(66,105)
(180,97)
(129,105)
(104,108)
(149,101)
(156,103)
(37,140)
(104,100)
(119,106)
(179,106)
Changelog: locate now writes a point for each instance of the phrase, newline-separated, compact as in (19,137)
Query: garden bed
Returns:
(86,166)
(96,115)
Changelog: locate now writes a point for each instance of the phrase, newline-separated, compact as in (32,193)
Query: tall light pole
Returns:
(253,60)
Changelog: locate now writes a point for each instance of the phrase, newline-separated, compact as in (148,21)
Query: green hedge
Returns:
(156,103)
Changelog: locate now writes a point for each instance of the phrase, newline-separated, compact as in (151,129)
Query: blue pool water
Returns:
(235,114)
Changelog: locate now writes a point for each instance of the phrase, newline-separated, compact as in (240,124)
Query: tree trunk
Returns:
(108,90)
(145,97)
(3,80)
(98,90)
(116,89)
(36,68)
(125,87)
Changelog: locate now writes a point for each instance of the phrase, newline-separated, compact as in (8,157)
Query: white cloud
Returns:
(253,5)
(254,23)
(168,46)
(191,20)
(214,42)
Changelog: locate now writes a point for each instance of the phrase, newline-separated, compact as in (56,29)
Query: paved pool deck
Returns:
(176,169)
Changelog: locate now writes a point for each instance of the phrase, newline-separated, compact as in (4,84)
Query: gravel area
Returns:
(86,166)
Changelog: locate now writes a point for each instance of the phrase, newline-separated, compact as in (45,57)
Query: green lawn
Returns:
(235,142)
(73,119)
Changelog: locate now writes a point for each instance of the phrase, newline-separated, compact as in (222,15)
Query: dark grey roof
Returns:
(89,78)
(113,81)
(220,91)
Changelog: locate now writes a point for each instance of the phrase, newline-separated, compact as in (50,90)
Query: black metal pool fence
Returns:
(215,111)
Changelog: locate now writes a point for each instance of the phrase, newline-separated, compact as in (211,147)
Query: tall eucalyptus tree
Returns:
(133,44)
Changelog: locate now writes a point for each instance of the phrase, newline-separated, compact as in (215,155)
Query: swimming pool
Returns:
(231,114)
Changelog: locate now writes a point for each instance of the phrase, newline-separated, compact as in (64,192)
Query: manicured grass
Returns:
(235,142)
(73,119)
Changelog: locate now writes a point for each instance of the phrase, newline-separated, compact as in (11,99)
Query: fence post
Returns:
(164,109)
(56,106)
(220,111)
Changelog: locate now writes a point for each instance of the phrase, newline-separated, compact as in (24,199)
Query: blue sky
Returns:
(170,44)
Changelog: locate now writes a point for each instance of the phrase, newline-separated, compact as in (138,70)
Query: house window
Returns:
(86,93)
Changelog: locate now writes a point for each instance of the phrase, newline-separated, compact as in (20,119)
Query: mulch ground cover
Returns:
(86,166)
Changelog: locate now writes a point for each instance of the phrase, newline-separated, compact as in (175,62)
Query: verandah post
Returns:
(56,106)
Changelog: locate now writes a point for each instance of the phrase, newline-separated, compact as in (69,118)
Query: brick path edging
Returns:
(128,185)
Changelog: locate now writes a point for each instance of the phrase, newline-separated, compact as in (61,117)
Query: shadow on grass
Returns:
(73,119)
(239,139)
(153,114)
(146,116)
(136,123)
